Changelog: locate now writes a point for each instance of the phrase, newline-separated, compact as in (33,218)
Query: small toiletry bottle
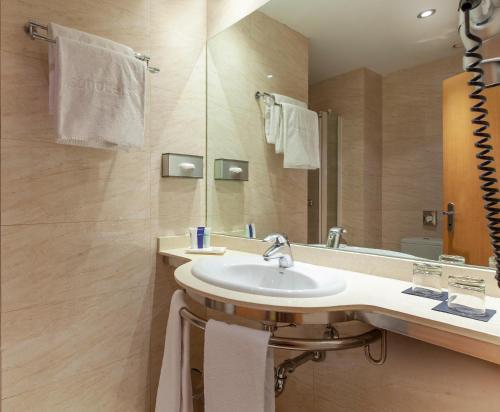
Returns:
(200,237)
(207,237)
(250,231)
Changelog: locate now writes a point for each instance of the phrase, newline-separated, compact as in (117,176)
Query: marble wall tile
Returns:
(117,386)
(223,13)
(433,381)
(189,197)
(346,382)
(78,241)
(43,344)
(125,22)
(46,182)
(50,263)
(24,97)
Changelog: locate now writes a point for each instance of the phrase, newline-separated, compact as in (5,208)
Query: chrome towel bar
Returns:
(258,95)
(32,29)
(315,345)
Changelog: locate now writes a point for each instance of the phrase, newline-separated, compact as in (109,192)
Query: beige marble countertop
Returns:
(368,294)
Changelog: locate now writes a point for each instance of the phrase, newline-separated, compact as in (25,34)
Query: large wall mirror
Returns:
(386,99)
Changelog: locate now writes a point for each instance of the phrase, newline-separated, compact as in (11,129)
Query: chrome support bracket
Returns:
(383,350)
(314,349)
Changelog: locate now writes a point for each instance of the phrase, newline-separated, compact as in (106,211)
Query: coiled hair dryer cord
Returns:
(486,168)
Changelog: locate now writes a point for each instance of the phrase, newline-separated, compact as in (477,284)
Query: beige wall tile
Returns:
(46,343)
(118,386)
(120,21)
(47,182)
(223,13)
(79,250)
(24,97)
(50,263)
(416,377)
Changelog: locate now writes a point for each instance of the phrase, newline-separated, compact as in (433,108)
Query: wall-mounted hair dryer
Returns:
(484,23)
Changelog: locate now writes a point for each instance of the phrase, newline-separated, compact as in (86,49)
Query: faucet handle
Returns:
(337,229)
(277,238)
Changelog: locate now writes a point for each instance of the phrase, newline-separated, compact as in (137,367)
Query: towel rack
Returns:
(258,95)
(313,349)
(316,345)
(32,29)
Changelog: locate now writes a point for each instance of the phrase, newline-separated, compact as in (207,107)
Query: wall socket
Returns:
(430,218)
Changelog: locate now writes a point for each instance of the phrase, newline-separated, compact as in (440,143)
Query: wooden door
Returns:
(469,237)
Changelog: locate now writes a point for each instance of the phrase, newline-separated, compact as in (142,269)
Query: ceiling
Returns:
(382,35)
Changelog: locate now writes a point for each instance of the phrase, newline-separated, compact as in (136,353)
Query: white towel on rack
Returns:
(98,97)
(300,138)
(238,369)
(174,389)
(272,115)
(55,31)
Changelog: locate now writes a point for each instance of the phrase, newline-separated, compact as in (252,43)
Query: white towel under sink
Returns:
(238,369)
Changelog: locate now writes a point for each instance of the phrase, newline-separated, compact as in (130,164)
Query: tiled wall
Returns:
(79,290)
(239,62)
(412,147)
(356,97)
(223,13)
(416,377)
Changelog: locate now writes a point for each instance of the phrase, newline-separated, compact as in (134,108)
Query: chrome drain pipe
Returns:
(289,365)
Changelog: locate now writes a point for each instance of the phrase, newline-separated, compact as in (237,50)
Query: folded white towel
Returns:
(300,137)
(98,95)
(272,115)
(238,369)
(174,389)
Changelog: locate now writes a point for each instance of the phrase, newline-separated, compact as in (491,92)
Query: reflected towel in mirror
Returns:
(300,137)
(273,115)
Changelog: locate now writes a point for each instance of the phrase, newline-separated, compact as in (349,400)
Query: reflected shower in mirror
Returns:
(351,116)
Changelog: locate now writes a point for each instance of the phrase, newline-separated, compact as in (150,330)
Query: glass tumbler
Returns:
(452,259)
(427,279)
(467,295)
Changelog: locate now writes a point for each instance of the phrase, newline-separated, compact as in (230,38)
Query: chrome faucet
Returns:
(276,250)
(334,236)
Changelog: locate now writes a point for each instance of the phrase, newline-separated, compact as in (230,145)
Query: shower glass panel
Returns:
(323,185)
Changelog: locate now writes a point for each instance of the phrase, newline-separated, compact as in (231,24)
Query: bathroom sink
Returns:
(251,274)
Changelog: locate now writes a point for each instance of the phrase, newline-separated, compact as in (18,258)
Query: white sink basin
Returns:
(251,274)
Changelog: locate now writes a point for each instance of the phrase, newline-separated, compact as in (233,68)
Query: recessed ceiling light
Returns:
(269,76)
(426,13)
